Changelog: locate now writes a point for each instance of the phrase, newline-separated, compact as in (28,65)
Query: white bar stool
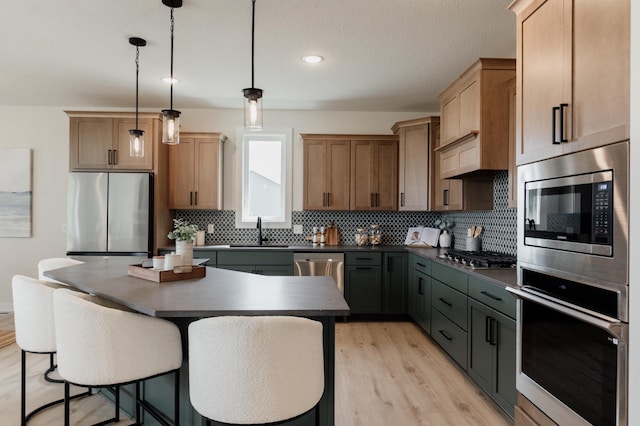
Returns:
(102,345)
(35,332)
(255,370)
(54,263)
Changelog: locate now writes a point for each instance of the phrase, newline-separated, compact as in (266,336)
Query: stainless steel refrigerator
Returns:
(109,214)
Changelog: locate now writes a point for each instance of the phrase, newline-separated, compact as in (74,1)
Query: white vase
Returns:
(445,239)
(185,249)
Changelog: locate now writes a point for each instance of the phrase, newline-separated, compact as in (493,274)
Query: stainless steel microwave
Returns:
(573,215)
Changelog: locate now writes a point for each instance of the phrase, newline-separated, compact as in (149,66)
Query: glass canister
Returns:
(362,238)
(375,235)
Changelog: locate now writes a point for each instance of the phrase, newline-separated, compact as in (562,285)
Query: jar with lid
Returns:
(362,238)
(375,235)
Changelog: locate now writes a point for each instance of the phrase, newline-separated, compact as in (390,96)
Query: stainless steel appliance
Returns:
(320,264)
(573,285)
(573,215)
(109,213)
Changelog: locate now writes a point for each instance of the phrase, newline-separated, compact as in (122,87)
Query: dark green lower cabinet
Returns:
(420,300)
(450,337)
(394,283)
(492,354)
(363,289)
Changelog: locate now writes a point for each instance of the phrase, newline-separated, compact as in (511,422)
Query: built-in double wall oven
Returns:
(573,269)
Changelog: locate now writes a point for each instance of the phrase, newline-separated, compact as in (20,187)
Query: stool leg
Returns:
(176,411)
(66,403)
(23,380)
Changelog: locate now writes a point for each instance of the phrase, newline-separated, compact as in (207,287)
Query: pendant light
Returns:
(171,117)
(253,106)
(136,136)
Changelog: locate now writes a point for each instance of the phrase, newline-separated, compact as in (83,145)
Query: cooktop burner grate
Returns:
(481,259)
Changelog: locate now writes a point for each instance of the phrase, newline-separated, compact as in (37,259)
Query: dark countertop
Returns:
(221,292)
(497,275)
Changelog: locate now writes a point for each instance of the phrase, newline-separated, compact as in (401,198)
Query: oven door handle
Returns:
(613,326)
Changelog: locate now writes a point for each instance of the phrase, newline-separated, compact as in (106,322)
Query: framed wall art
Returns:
(15,192)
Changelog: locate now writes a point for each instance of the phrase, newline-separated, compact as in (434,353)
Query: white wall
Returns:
(46,132)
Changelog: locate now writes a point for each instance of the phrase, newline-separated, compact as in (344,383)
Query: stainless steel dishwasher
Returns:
(320,264)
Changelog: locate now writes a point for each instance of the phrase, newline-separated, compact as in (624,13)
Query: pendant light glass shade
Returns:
(170,126)
(253,109)
(171,117)
(136,136)
(253,106)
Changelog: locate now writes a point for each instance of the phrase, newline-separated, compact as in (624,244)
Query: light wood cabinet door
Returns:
(573,76)
(195,172)
(326,174)
(123,160)
(415,141)
(91,139)
(181,174)
(374,175)
(450,121)
(469,104)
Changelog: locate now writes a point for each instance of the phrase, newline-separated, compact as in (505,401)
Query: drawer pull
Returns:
(487,329)
(445,302)
(420,291)
(363,258)
(364,267)
(421,265)
(491,296)
(445,335)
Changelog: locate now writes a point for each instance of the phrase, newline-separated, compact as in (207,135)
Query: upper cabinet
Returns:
(326,173)
(350,172)
(416,139)
(374,174)
(100,141)
(196,172)
(572,77)
(474,119)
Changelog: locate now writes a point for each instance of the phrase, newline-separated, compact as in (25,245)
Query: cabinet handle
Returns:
(115,156)
(363,258)
(190,198)
(377,199)
(421,265)
(328,199)
(487,329)
(109,156)
(562,133)
(196,198)
(324,199)
(420,291)
(445,335)
(445,197)
(554,129)
(494,332)
(445,302)
(491,295)
(364,267)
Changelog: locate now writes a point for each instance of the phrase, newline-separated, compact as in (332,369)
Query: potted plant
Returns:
(445,226)
(185,234)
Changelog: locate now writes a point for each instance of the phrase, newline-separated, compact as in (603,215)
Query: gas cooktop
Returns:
(480,259)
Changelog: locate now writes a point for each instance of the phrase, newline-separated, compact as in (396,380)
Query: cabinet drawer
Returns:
(360,259)
(492,295)
(421,264)
(449,276)
(451,337)
(255,258)
(460,159)
(450,303)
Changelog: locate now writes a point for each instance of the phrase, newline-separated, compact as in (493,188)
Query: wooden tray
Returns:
(165,276)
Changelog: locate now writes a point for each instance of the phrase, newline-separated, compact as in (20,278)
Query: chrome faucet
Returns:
(261,239)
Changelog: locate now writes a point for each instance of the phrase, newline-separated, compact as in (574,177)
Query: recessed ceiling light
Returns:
(312,59)
(169,81)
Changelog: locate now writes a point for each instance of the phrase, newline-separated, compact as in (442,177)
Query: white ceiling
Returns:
(380,55)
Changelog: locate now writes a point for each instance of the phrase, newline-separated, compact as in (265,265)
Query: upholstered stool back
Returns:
(54,263)
(33,314)
(251,370)
(100,345)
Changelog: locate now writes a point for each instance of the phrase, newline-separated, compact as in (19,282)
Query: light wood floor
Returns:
(387,373)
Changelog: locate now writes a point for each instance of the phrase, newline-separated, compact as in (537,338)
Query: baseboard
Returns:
(6,307)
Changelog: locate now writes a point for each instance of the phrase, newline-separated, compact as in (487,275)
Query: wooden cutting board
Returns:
(332,236)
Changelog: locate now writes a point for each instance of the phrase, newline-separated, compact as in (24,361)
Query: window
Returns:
(265,178)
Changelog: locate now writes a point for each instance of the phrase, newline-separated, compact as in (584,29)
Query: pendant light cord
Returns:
(137,72)
(253,29)
(171,88)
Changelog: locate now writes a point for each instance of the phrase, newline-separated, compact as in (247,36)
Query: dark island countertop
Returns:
(221,292)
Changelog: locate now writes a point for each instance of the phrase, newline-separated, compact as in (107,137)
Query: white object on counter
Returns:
(158,263)
(171,261)
(200,238)
(474,244)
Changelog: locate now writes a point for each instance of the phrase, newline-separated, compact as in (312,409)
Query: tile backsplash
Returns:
(499,224)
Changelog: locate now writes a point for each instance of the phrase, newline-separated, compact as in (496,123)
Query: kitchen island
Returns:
(221,292)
